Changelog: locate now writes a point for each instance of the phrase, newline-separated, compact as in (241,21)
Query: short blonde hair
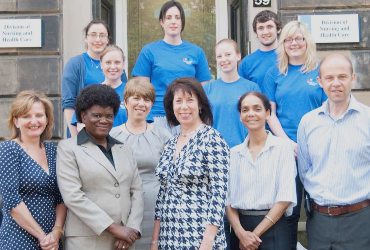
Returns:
(110,48)
(229,41)
(310,57)
(141,87)
(22,104)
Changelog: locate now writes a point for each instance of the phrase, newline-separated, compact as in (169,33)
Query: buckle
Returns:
(332,213)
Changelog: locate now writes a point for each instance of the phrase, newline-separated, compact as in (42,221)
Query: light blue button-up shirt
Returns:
(270,178)
(334,154)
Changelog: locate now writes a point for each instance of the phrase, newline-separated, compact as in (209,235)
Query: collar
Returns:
(83,137)
(271,141)
(354,105)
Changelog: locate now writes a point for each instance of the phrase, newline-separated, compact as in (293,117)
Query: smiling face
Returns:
(267,33)
(171,23)
(96,39)
(186,109)
(112,64)
(33,123)
(226,57)
(295,46)
(98,121)
(253,113)
(336,78)
(138,107)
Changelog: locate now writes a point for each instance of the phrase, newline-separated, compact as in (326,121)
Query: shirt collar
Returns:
(84,137)
(354,105)
(270,142)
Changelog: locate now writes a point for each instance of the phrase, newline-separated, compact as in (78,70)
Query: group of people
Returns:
(172,160)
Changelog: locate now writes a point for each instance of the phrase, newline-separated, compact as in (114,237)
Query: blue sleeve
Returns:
(74,120)
(143,65)
(124,77)
(269,84)
(53,155)
(9,176)
(241,69)
(207,88)
(71,80)
(202,69)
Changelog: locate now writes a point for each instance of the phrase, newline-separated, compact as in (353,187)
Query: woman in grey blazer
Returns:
(98,178)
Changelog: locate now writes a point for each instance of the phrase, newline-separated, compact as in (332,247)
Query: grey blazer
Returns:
(95,193)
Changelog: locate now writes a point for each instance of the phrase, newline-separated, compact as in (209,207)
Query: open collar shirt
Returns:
(334,154)
(258,184)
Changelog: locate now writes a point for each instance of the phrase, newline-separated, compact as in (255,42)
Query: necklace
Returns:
(191,133)
(94,65)
(146,127)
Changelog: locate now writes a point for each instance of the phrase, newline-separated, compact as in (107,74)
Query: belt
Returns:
(339,210)
(253,212)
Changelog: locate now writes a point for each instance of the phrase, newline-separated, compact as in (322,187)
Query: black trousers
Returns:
(276,238)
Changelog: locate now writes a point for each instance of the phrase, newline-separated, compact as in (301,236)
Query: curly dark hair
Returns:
(193,87)
(264,16)
(97,94)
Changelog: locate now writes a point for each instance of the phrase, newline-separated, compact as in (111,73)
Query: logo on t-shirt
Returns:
(311,82)
(188,60)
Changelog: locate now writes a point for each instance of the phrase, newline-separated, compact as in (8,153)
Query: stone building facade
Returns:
(63,21)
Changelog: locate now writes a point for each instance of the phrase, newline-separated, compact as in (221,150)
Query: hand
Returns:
(121,244)
(124,233)
(154,246)
(206,245)
(248,240)
(49,242)
(295,148)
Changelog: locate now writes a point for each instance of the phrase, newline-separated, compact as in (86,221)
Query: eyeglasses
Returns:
(96,35)
(298,40)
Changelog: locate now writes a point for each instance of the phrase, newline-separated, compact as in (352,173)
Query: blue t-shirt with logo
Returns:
(163,63)
(224,99)
(254,66)
(294,93)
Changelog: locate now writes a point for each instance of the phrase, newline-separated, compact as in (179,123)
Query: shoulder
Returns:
(163,133)
(251,84)
(311,115)
(236,149)
(8,145)
(50,145)
(116,132)
(76,60)
(67,144)
(212,136)
(188,45)
(151,46)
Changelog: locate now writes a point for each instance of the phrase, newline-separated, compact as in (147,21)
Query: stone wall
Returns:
(32,68)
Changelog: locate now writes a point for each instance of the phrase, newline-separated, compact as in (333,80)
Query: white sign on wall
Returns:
(20,33)
(342,28)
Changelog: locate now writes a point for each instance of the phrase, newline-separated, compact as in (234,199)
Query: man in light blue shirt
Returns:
(334,162)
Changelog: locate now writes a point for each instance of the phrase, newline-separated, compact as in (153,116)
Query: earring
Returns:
(200,111)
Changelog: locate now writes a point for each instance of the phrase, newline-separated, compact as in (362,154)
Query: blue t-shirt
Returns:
(163,63)
(254,66)
(224,99)
(295,94)
(93,71)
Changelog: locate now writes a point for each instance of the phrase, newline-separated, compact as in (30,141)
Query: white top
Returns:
(259,184)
